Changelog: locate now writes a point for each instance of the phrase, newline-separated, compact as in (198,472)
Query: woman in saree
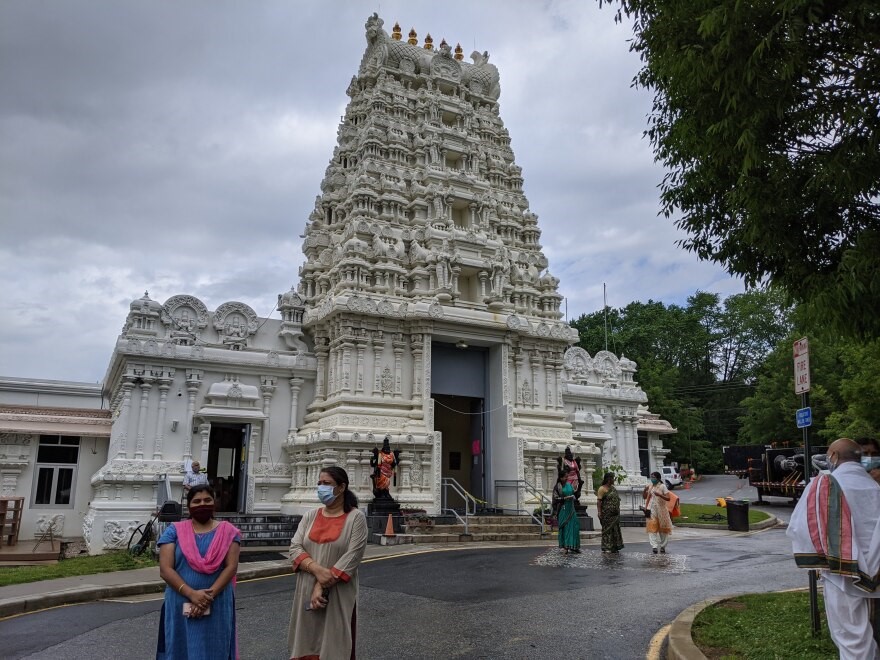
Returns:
(326,552)
(198,558)
(659,525)
(569,526)
(608,502)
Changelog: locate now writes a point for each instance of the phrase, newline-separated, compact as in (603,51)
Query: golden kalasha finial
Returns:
(459,52)
(413,37)
(429,42)
(443,43)
(395,32)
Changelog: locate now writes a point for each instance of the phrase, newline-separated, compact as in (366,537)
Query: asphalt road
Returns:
(490,603)
(711,486)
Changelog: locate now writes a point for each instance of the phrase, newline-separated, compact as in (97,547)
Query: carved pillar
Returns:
(472,207)
(548,386)
(484,278)
(321,353)
(558,384)
(124,414)
(533,363)
(205,432)
(267,389)
(518,360)
(378,345)
(193,383)
(164,384)
(359,377)
(416,349)
(398,346)
(295,386)
(146,386)
(348,385)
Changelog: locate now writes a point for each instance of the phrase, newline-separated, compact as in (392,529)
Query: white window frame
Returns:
(55,467)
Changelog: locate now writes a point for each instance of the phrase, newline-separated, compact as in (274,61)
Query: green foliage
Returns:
(765,117)
(111,561)
(772,626)
(695,362)
(843,395)
(690,514)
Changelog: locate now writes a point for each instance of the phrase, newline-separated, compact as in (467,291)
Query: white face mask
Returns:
(870,462)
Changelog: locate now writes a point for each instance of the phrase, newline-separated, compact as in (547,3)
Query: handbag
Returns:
(646,511)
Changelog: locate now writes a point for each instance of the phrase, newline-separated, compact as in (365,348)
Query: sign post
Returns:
(804,421)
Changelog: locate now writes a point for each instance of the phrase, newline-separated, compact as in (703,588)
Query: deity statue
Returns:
(570,467)
(383,463)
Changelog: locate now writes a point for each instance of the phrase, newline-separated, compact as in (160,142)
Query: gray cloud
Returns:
(178,147)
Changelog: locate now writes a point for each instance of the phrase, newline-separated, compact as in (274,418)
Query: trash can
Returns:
(738,515)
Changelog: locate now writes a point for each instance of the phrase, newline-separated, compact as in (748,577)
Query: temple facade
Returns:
(424,311)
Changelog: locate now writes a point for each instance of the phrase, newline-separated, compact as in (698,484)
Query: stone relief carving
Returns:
(117,532)
(185,317)
(235,322)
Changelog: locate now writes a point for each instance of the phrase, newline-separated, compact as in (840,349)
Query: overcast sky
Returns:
(177,147)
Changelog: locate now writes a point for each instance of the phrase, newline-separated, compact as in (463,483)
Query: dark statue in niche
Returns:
(383,463)
(569,466)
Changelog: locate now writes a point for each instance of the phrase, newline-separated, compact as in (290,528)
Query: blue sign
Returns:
(804,417)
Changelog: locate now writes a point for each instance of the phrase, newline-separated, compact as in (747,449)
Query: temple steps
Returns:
(480,529)
(262,530)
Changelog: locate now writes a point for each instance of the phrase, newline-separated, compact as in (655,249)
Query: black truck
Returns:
(773,471)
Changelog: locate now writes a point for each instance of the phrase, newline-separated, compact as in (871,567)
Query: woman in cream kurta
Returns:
(326,551)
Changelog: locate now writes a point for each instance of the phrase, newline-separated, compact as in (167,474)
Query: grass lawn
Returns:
(112,561)
(690,513)
(765,626)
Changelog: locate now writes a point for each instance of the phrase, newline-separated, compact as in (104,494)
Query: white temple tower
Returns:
(428,301)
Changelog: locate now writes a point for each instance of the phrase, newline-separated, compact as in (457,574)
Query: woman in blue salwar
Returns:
(198,558)
(569,525)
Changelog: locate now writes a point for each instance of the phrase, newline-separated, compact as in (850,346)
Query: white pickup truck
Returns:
(670,476)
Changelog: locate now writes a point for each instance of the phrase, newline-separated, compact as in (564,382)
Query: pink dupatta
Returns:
(224,535)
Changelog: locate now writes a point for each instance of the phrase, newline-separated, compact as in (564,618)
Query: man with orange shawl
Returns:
(835,528)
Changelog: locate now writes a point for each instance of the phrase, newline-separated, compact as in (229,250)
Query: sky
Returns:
(178,146)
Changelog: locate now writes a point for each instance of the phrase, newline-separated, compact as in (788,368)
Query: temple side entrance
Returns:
(227,465)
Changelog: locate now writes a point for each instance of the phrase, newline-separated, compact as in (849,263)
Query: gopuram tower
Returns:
(427,298)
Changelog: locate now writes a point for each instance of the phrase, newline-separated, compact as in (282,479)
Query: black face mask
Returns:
(202,514)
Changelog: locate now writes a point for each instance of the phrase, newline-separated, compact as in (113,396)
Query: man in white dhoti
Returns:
(835,528)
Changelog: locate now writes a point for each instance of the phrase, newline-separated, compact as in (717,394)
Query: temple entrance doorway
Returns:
(460,421)
(459,382)
(227,465)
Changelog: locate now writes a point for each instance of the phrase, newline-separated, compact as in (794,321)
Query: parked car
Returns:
(670,476)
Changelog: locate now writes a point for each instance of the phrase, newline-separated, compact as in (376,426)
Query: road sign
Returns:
(804,417)
(801,366)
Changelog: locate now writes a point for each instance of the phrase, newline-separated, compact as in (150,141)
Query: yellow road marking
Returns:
(657,643)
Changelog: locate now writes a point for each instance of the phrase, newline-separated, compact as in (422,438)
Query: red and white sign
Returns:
(801,366)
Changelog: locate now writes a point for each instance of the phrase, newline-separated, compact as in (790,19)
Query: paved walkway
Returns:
(32,596)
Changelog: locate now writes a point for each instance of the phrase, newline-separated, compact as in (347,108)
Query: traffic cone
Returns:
(389,527)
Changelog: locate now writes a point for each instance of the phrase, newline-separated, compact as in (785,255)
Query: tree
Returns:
(695,362)
(766,117)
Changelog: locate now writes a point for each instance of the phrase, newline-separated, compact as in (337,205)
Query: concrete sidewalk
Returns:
(32,596)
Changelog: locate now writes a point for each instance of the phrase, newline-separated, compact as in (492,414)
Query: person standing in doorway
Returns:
(608,503)
(835,528)
(659,525)
(194,477)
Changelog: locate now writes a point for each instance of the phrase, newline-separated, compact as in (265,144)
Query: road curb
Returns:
(681,644)
(25,604)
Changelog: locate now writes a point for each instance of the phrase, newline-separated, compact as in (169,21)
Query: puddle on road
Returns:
(625,561)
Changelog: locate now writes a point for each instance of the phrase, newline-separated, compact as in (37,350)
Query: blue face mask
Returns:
(871,462)
(655,481)
(325,494)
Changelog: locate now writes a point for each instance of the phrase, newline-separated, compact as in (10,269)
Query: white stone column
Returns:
(146,386)
(533,363)
(378,345)
(295,386)
(124,414)
(267,389)
(320,387)
(416,349)
(398,346)
(205,432)
(193,383)
(164,382)
(359,378)
(348,384)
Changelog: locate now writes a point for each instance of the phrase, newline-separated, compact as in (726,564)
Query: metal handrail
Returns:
(520,485)
(469,501)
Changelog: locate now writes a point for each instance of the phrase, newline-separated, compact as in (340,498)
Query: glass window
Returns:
(55,474)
